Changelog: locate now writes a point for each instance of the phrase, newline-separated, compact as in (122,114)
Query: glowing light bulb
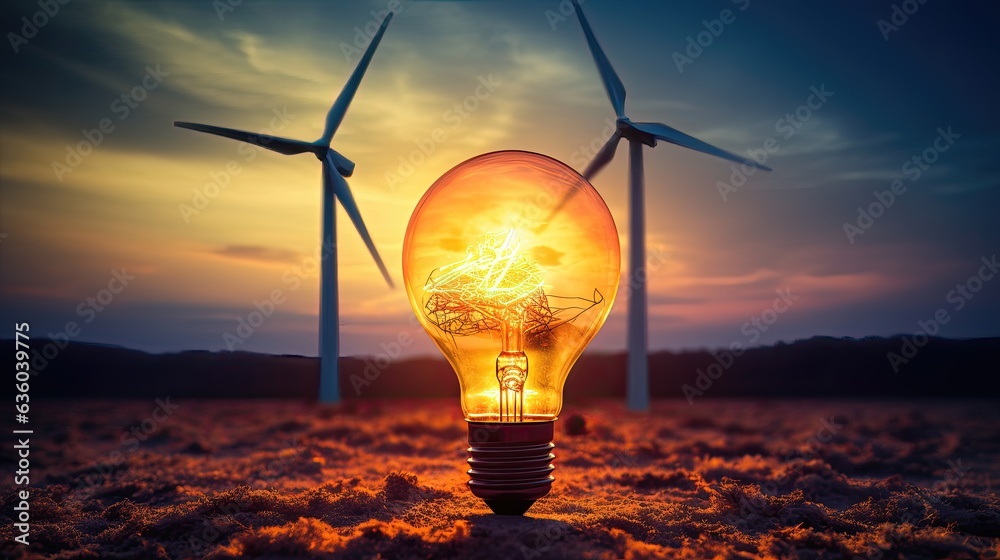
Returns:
(511,263)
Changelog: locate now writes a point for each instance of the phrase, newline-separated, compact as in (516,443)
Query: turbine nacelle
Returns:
(343,165)
(626,129)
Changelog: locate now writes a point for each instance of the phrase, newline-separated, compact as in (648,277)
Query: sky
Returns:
(116,227)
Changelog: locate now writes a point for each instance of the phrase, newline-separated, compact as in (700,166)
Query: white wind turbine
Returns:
(637,134)
(335,168)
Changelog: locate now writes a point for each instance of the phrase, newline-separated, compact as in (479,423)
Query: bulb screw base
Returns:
(511,463)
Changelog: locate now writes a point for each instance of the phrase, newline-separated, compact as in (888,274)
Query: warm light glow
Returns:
(510,291)
(493,274)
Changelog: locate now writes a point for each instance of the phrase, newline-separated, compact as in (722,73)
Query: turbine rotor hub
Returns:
(343,165)
(628,131)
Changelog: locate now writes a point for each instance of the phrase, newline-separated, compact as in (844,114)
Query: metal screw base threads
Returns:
(511,463)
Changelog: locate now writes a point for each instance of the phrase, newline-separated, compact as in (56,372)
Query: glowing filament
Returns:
(494,273)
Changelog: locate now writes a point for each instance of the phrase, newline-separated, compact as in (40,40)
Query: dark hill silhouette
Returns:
(816,367)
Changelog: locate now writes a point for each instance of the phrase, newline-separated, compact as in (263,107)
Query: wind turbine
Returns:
(637,134)
(335,168)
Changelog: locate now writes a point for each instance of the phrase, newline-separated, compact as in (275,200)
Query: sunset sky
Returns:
(132,206)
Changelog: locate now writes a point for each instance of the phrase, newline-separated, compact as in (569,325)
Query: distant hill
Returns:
(817,367)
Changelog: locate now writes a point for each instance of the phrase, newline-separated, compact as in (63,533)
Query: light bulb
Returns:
(511,263)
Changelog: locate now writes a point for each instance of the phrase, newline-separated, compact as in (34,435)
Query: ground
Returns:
(385,479)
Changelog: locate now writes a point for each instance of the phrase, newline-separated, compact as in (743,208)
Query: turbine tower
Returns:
(335,168)
(637,134)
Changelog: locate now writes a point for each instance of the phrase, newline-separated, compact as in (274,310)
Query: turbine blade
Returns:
(285,146)
(674,136)
(339,108)
(612,83)
(603,157)
(333,180)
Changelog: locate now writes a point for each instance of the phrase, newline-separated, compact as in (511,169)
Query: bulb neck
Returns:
(511,463)
(512,334)
(512,367)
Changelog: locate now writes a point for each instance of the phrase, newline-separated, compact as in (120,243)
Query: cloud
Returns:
(258,253)
(546,256)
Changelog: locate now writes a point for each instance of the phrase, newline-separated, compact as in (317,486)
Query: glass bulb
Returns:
(511,262)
